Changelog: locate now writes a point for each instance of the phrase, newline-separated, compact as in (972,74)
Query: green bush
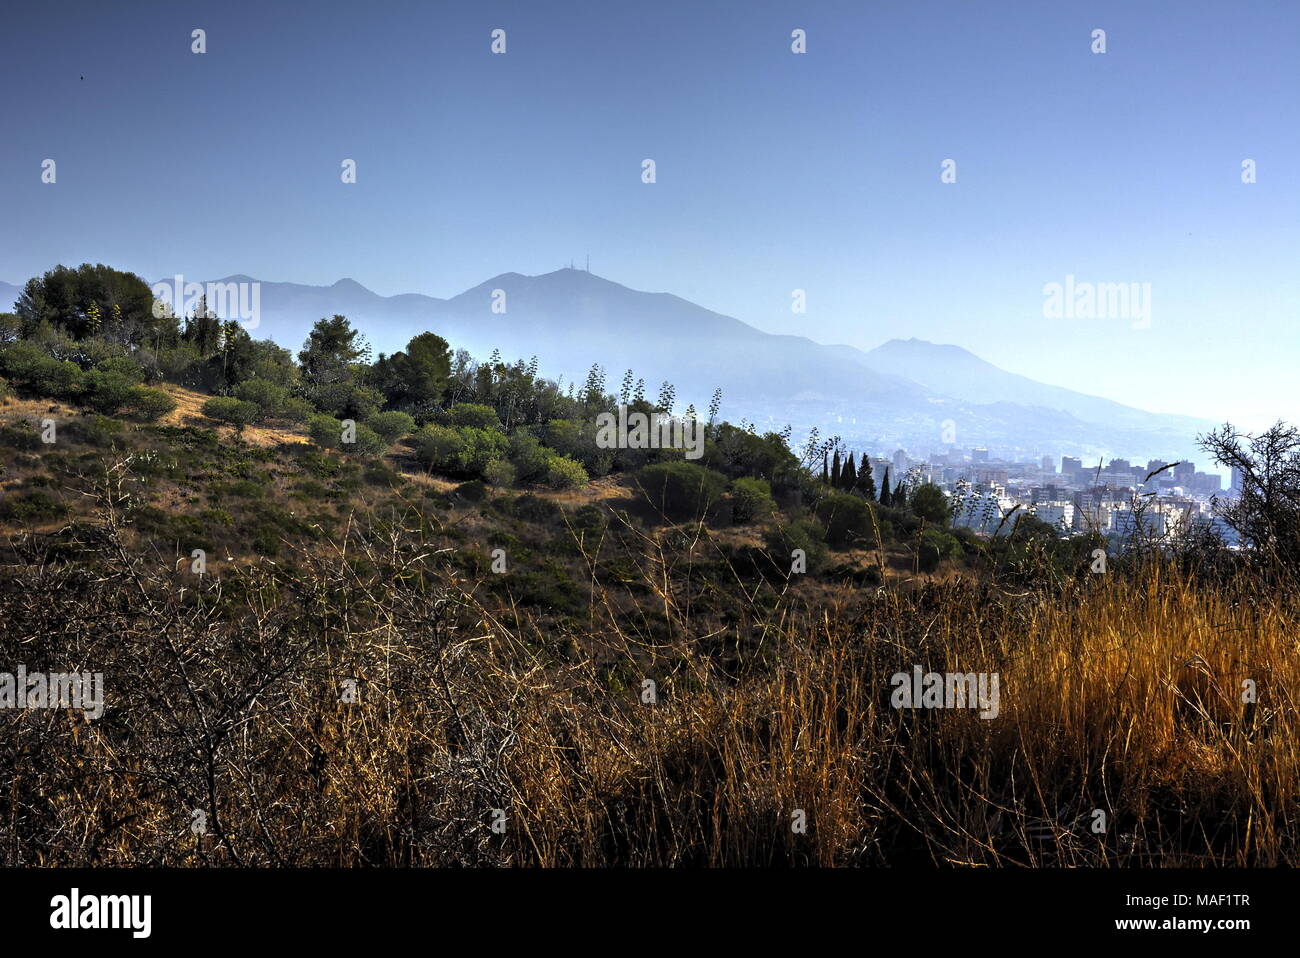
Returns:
(533,508)
(149,404)
(33,371)
(461,451)
(474,415)
(347,400)
(122,366)
(935,547)
(25,436)
(391,425)
(296,409)
(681,490)
(499,473)
(472,491)
(564,473)
(806,534)
(230,410)
(847,519)
(266,396)
(439,447)
(96,430)
(106,391)
(929,502)
(31,504)
(365,441)
(529,457)
(751,499)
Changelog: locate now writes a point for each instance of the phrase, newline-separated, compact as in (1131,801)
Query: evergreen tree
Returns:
(899,499)
(849,477)
(835,470)
(826,468)
(865,478)
(885,498)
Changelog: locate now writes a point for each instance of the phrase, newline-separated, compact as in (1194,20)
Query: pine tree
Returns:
(865,478)
(885,498)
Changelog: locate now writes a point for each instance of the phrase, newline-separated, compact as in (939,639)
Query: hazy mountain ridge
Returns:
(901,393)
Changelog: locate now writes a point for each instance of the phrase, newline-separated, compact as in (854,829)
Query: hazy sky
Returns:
(775,171)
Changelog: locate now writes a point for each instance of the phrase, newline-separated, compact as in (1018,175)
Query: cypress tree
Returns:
(835,470)
(826,468)
(885,498)
(866,479)
(849,477)
(900,495)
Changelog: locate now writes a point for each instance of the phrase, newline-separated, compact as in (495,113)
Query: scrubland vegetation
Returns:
(393,640)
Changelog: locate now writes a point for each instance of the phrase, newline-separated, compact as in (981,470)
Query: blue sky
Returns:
(776,171)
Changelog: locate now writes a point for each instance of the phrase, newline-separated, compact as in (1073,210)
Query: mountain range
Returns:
(911,393)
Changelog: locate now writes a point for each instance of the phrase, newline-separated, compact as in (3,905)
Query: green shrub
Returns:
(499,473)
(474,415)
(782,540)
(929,502)
(122,366)
(25,437)
(529,457)
(751,499)
(31,504)
(296,409)
(391,425)
(936,546)
(347,400)
(325,431)
(439,447)
(461,451)
(472,491)
(33,371)
(230,410)
(96,430)
(365,442)
(531,508)
(149,404)
(105,391)
(377,473)
(564,473)
(268,397)
(681,490)
(868,574)
(847,519)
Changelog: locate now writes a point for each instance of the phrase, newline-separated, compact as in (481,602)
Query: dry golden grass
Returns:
(1117,693)
(189,412)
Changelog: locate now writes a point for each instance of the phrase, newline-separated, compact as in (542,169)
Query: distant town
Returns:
(987,493)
